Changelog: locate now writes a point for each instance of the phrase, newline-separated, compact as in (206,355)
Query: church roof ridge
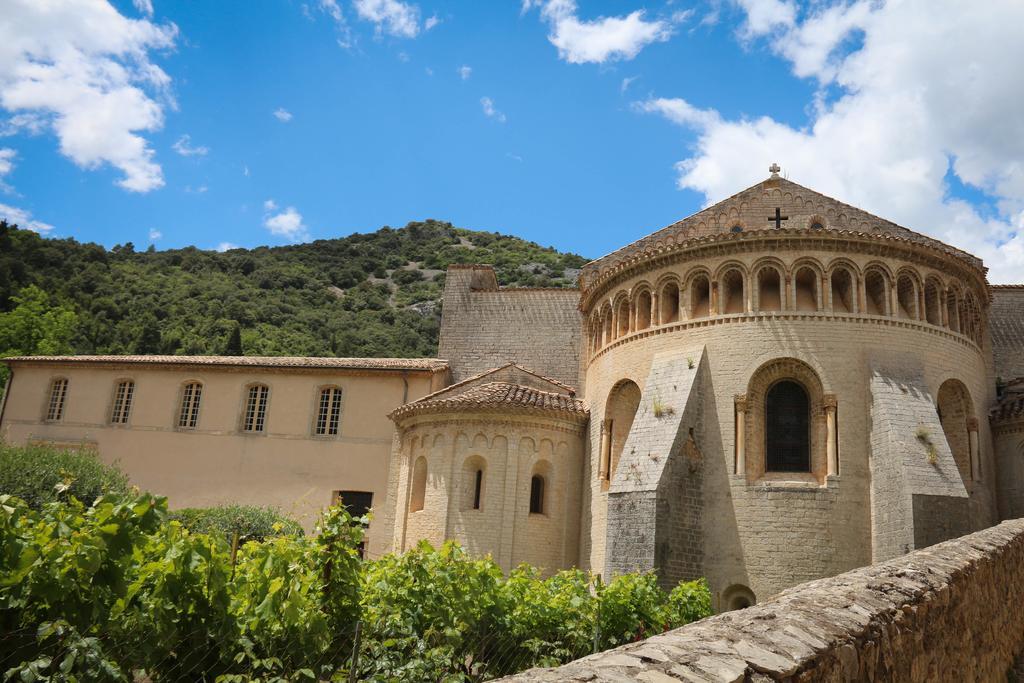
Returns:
(397,364)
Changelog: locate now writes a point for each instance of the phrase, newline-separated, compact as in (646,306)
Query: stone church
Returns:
(777,388)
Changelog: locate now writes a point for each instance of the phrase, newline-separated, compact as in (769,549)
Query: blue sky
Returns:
(583,125)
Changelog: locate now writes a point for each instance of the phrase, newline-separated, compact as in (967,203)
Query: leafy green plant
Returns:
(44,474)
(690,364)
(662,409)
(250,522)
(925,438)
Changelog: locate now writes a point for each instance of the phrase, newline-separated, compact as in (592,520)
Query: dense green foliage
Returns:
(373,294)
(113,591)
(250,522)
(43,474)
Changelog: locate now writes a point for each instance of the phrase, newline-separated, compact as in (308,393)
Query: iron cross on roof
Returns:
(778,218)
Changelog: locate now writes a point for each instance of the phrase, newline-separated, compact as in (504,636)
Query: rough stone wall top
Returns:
(1006,326)
(950,612)
(751,210)
(483,326)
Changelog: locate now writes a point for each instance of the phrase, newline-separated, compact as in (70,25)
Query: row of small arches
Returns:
(474,484)
(771,286)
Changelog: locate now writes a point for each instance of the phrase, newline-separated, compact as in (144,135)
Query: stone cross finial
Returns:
(774,168)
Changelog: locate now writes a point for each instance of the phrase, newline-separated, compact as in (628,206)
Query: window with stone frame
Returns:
(188,410)
(537,495)
(124,392)
(328,415)
(55,404)
(254,416)
(787,429)
(419,485)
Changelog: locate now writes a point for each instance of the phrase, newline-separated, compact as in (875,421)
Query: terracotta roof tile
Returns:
(1011,405)
(497,396)
(410,364)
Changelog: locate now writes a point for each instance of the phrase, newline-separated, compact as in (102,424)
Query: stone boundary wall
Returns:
(950,612)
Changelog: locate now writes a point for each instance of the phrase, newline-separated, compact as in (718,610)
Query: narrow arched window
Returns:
(787,428)
(255,416)
(537,495)
(328,413)
(55,406)
(419,485)
(124,391)
(478,488)
(188,414)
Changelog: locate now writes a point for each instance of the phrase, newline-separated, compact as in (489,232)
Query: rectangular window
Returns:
(329,412)
(256,408)
(122,402)
(58,392)
(358,503)
(191,394)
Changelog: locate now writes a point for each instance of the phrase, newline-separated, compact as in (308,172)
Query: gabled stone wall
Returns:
(950,612)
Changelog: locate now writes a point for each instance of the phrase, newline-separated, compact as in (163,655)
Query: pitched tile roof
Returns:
(498,397)
(398,364)
(801,204)
(1011,405)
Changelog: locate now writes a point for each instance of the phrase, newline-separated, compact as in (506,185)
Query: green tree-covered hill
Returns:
(374,294)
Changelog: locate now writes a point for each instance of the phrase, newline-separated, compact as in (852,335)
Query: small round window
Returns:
(816,225)
(736,228)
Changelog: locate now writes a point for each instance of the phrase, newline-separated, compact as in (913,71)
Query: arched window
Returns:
(55,406)
(122,405)
(737,597)
(806,285)
(188,413)
(733,295)
(769,290)
(478,488)
(643,310)
(254,417)
(953,310)
(787,428)
(955,409)
(906,295)
(623,318)
(419,484)
(537,495)
(876,293)
(606,324)
(736,228)
(700,297)
(619,412)
(669,303)
(328,414)
(842,291)
(933,302)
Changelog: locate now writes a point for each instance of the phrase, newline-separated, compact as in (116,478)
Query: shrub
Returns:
(44,474)
(251,522)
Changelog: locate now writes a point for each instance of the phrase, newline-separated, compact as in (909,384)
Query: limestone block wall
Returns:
(771,532)
(1006,323)
(484,327)
(948,612)
(509,451)
(1009,456)
(655,499)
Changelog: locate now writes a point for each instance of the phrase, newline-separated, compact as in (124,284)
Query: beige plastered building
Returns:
(778,388)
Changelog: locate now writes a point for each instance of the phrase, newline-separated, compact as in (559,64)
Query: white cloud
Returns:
(392,17)
(286,223)
(490,111)
(23,219)
(765,16)
(226,246)
(282,115)
(932,89)
(6,165)
(464,72)
(144,6)
(155,234)
(331,8)
(626,82)
(83,70)
(431,22)
(184,147)
(603,39)
(245,171)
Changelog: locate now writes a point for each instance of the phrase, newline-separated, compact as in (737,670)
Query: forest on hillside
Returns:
(373,294)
